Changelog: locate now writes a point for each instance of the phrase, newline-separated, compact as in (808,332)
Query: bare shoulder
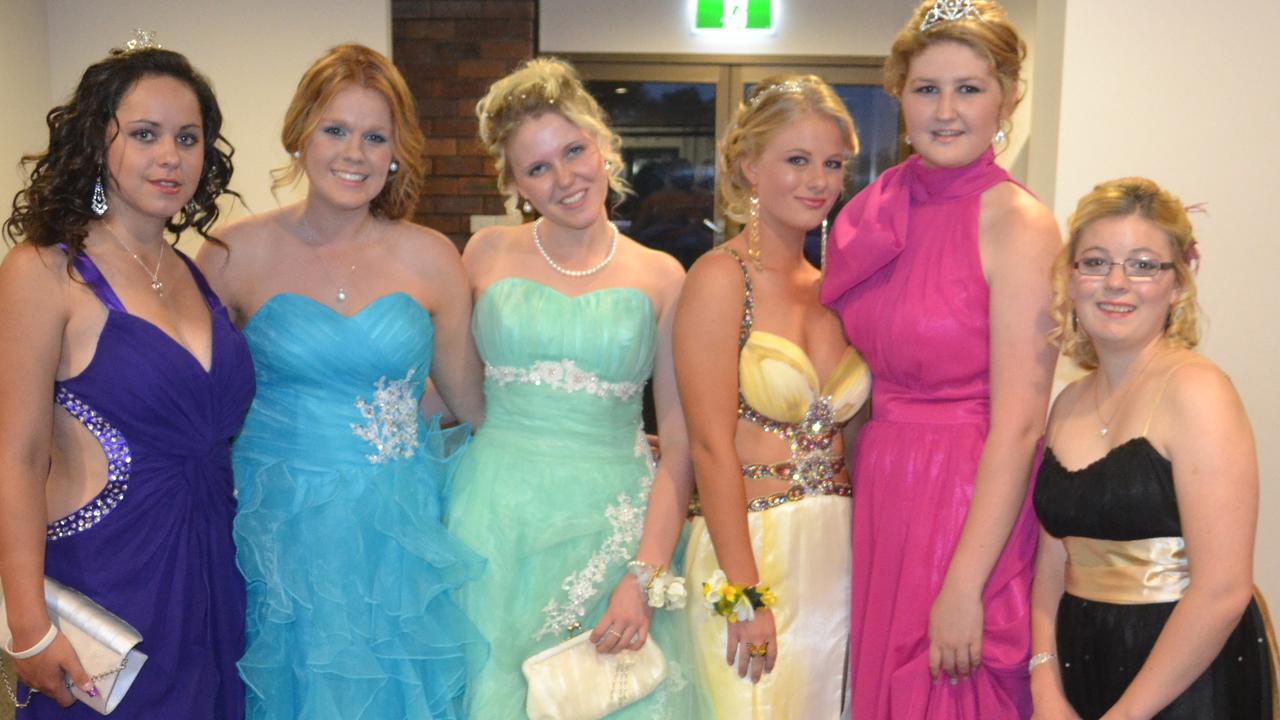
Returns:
(30,272)
(38,264)
(1066,399)
(1198,389)
(421,248)
(659,265)
(243,243)
(488,243)
(1014,219)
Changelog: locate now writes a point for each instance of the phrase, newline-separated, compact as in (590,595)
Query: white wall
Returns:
(1170,89)
(24,87)
(254,52)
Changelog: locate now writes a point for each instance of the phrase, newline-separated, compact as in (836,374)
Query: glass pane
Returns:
(875,120)
(668,151)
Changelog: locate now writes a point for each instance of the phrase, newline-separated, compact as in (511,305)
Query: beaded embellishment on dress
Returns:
(119,460)
(563,375)
(391,420)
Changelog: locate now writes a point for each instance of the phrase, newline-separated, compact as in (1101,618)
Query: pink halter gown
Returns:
(905,277)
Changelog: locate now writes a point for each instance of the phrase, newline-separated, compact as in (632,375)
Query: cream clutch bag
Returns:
(106,645)
(572,681)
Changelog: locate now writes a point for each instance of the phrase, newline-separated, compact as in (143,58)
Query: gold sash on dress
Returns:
(1127,572)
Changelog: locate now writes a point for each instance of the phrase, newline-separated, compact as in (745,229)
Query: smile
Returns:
(574,198)
(349,176)
(1114,308)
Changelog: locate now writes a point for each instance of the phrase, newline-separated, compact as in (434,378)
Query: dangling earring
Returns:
(98,203)
(192,208)
(753,231)
(823,266)
(527,207)
(393,168)
(1000,137)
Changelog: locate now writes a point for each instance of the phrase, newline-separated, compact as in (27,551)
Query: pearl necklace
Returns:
(613,247)
(156,285)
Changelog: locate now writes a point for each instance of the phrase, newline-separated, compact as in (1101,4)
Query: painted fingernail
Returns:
(954,680)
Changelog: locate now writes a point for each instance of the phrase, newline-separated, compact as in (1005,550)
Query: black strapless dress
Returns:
(1128,494)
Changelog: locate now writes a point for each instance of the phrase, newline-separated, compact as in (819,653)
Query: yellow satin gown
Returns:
(800,537)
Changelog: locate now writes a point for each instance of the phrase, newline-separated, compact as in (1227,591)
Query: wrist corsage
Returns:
(660,588)
(736,603)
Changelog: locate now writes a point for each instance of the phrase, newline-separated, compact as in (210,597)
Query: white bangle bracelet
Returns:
(36,649)
(1039,659)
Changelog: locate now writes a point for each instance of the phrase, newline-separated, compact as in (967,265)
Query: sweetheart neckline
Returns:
(805,356)
(567,296)
(307,300)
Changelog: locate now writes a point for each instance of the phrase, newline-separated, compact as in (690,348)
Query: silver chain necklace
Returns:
(309,236)
(613,248)
(156,285)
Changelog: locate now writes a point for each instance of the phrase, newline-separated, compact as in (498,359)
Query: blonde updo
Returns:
(356,65)
(993,37)
(775,102)
(538,86)
(1116,199)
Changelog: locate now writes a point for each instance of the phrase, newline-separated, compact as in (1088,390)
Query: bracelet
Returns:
(659,588)
(735,603)
(1039,659)
(36,649)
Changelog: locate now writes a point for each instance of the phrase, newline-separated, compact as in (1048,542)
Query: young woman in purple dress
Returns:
(124,383)
(939,272)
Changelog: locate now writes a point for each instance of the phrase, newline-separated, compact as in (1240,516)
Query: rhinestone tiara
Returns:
(786,86)
(142,40)
(944,11)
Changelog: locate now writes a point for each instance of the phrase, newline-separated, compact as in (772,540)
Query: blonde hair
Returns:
(775,102)
(538,86)
(993,37)
(342,67)
(1117,199)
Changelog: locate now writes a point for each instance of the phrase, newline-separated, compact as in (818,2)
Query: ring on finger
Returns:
(611,631)
(758,650)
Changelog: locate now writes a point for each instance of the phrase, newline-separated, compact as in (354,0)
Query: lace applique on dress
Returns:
(119,460)
(562,375)
(391,420)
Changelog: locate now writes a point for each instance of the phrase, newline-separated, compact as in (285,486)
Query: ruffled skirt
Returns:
(350,573)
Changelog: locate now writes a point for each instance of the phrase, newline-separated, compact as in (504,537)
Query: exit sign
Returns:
(734,15)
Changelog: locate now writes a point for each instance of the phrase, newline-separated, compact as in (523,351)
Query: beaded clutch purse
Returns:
(572,681)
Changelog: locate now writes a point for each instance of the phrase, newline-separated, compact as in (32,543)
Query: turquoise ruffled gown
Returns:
(553,489)
(339,535)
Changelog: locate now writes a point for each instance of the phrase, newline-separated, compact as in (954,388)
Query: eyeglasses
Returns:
(1133,267)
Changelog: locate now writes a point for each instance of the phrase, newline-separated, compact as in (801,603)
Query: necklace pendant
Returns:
(157,286)
(1104,431)
(342,295)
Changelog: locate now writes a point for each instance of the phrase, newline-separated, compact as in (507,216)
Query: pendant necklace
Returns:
(613,248)
(156,285)
(309,236)
(1124,392)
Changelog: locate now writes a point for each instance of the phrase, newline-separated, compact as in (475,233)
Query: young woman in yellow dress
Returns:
(768,382)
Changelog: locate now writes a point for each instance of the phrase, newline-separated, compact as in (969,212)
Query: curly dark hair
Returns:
(53,207)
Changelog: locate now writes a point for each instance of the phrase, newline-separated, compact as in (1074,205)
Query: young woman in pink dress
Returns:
(940,274)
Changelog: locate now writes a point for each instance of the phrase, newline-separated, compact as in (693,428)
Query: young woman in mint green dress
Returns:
(558,490)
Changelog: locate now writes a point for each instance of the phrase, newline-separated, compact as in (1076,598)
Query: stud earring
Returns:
(1000,137)
(297,154)
(527,207)
(906,140)
(394,167)
(753,231)
(98,203)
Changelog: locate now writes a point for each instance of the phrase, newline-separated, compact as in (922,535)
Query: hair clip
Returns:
(142,40)
(944,11)
(786,86)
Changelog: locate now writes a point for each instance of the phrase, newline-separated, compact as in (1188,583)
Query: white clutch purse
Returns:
(572,681)
(106,645)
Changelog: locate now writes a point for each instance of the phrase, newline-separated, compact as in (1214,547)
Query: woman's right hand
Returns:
(746,634)
(46,672)
(1052,706)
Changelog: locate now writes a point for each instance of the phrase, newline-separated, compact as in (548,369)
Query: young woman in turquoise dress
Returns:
(558,489)
(1148,494)
(348,309)
(768,383)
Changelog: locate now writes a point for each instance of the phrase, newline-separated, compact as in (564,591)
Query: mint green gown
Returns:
(554,486)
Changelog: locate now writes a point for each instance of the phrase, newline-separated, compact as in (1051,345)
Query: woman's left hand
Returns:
(955,633)
(625,625)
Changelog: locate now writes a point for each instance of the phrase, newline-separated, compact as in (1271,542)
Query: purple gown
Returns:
(154,547)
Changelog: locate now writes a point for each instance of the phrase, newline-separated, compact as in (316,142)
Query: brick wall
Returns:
(450,51)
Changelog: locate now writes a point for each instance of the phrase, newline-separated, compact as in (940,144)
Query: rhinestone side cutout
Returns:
(391,420)
(562,375)
(119,462)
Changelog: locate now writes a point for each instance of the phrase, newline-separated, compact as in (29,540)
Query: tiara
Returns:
(949,11)
(141,40)
(786,86)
